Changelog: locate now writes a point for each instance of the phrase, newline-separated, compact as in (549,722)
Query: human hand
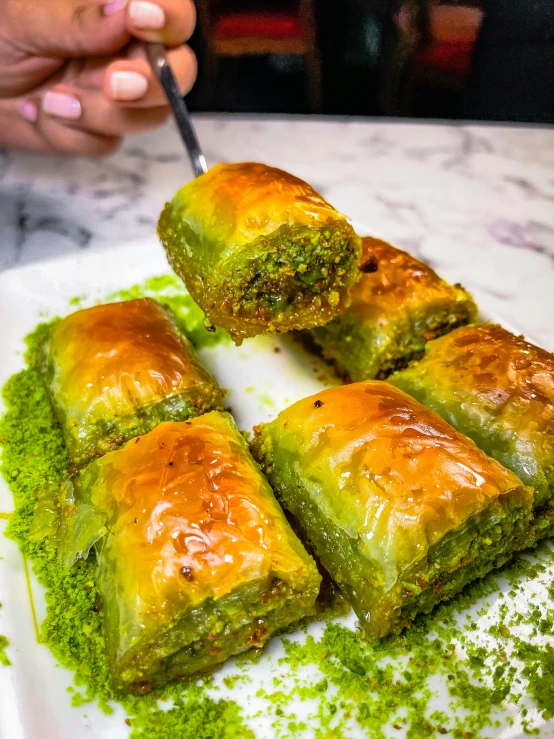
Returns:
(73,77)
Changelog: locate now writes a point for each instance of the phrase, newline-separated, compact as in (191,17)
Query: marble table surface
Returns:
(476,202)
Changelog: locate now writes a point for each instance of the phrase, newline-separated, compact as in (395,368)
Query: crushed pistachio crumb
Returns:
(4,659)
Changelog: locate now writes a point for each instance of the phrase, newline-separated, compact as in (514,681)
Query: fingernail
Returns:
(29,111)
(128,85)
(114,6)
(61,105)
(146,15)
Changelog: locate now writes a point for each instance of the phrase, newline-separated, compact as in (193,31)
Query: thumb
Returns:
(66,28)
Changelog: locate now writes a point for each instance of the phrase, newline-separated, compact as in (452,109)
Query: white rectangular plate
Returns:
(34,702)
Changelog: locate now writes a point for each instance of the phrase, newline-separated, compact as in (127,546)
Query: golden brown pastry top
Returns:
(190,516)
(237,203)
(388,471)
(112,359)
(505,370)
(498,389)
(392,278)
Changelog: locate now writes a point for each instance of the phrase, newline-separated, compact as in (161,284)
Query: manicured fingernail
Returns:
(28,110)
(114,6)
(128,85)
(146,15)
(61,105)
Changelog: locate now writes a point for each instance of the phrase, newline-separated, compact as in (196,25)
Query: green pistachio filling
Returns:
(360,351)
(293,269)
(210,635)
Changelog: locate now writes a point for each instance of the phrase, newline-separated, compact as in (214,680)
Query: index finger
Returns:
(168,21)
(66,28)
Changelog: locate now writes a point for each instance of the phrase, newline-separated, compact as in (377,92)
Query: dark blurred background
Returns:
(471,59)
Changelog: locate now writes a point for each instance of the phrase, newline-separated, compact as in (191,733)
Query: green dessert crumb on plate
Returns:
(4,659)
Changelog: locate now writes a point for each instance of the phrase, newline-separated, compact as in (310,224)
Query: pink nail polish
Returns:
(61,105)
(114,6)
(29,111)
(128,85)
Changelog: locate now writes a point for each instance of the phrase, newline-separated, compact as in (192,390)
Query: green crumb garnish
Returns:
(78,301)
(191,717)
(4,659)
(266,402)
(539,670)
(169,290)
(392,683)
